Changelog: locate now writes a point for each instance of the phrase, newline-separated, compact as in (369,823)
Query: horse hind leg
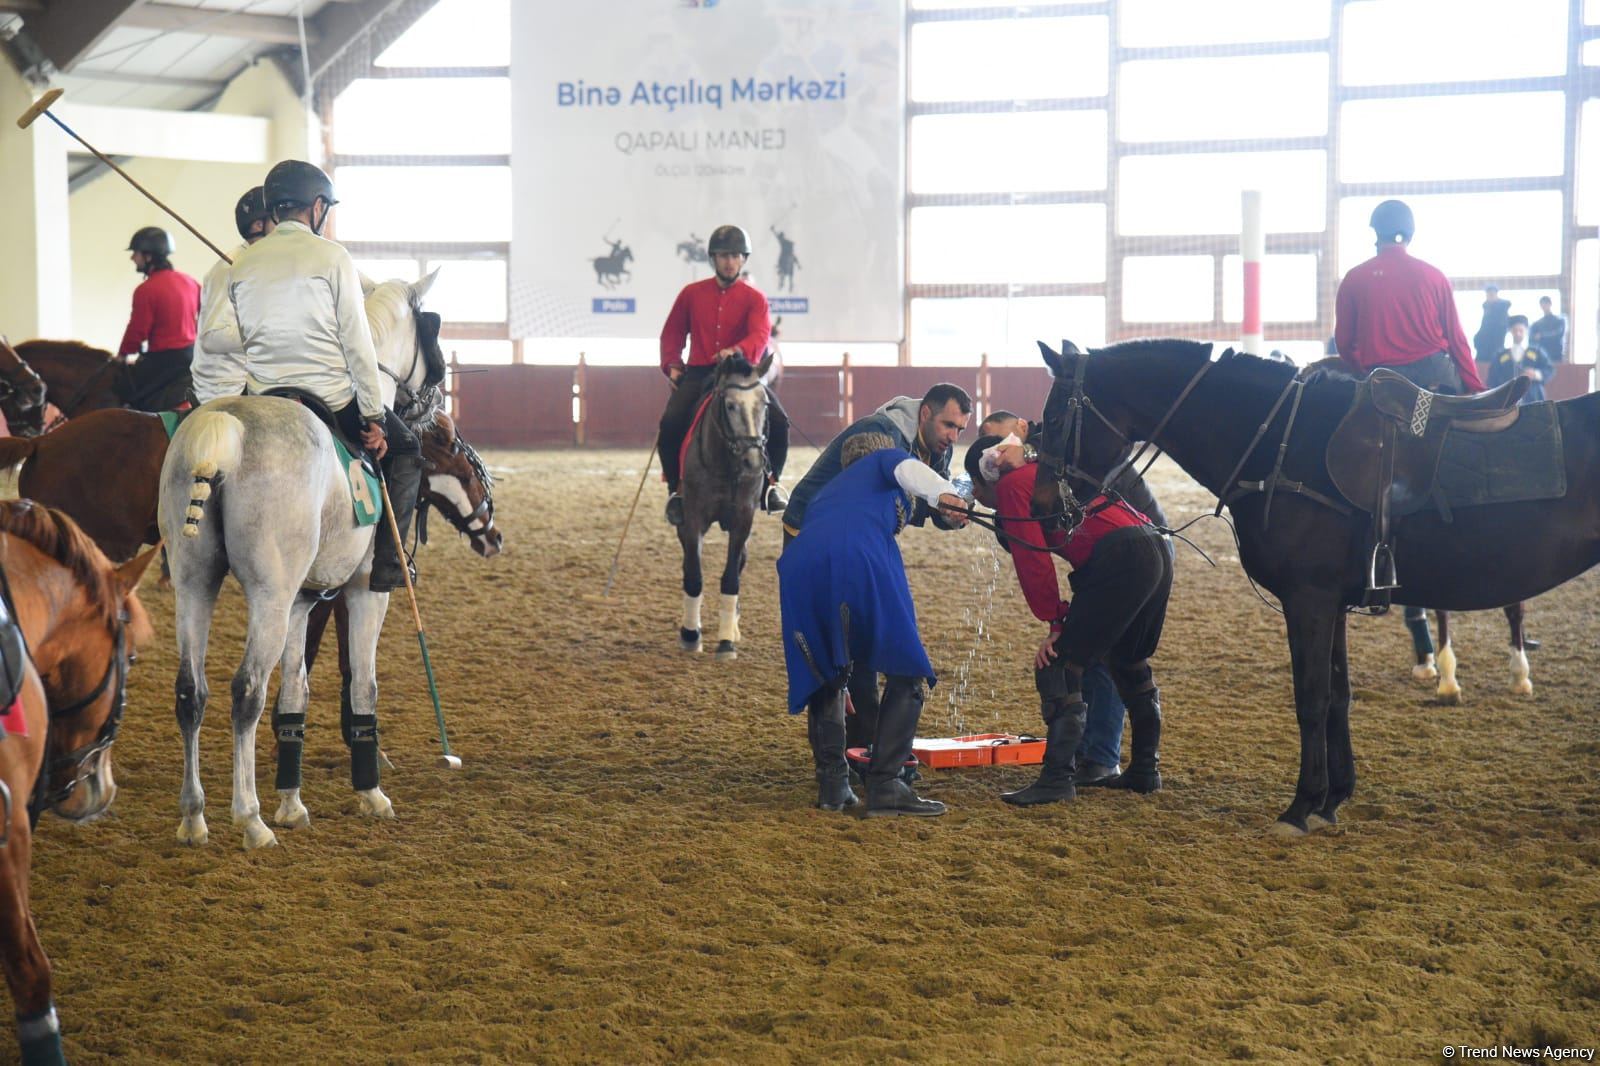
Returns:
(289,717)
(367,609)
(27,967)
(270,611)
(196,601)
(1521,683)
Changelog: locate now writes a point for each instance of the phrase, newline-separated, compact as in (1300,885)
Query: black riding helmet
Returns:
(1392,219)
(152,240)
(293,184)
(728,239)
(251,208)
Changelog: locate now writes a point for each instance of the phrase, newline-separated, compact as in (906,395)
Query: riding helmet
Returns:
(251,208)
(152,240)
(1392,219)
(728,239)
(296,183)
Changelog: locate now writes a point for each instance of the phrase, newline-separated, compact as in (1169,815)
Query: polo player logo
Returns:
(1419,413)
(358,487)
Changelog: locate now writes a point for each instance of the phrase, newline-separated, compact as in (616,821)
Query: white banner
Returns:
(639,126)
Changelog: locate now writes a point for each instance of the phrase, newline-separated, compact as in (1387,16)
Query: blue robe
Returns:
(847,556)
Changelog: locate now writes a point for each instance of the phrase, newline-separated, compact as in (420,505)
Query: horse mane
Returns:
(738,365)
(58,536)
(30,350)
(388,307)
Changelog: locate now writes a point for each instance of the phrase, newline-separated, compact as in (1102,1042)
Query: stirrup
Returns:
(1381,572)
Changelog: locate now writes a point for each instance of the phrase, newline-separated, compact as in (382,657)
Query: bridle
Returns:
(485,509)
(739,443)
(414,404)
(22,384)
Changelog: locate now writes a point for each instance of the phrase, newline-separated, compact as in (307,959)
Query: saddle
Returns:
(325,415)
(1384,455)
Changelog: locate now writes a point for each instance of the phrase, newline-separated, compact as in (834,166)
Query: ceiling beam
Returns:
(269,29)
(67,33)
(170,81)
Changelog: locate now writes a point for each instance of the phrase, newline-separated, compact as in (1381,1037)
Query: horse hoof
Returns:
(1317,822)
(689,640)
(193,832)
(727,649)
(1286,830)
(257,835)
(1424,672)
(1450,697)
(1523,688)
(375,804)
(292,814)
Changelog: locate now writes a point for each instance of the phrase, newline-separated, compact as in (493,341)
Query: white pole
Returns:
(1252,248)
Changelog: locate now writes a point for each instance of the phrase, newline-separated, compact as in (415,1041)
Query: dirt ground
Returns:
(628,868)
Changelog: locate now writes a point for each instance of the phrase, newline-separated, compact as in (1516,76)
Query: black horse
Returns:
(1313,557)
(724,473)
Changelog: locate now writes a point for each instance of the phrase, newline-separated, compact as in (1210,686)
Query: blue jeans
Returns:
(1102,736)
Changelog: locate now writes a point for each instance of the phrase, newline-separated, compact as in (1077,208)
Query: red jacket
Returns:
(1036,570)
(714,318)
(166,306)
(1394,310)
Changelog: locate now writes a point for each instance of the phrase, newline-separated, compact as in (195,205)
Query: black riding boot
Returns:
(404,476)
(1064,724)
(887,792)
(1144,769)
(825,730)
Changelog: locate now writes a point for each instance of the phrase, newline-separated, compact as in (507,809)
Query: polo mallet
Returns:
(606,597)
(41,106)
(446,760)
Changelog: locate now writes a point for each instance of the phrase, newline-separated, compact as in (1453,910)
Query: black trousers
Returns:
(679,414)
(1119,601)
(1436,373)
(160,380)
(401,440)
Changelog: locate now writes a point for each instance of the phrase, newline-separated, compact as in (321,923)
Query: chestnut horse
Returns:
(81,621)
(79,378)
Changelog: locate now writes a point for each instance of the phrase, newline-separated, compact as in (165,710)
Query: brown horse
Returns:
(79,378)
(81,622)
(21,393)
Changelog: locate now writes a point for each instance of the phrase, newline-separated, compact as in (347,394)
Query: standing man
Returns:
(1399,312)
(1522,358)
(295,308)
(166,308)
(720,316)
(1549,334)
(1490,339)
(223,373)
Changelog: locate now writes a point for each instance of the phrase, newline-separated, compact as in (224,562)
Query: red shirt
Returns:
(714,318)
(166,306)
(1394,310)
(1036,571)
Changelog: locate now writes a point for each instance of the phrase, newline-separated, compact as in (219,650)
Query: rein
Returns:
(740,442)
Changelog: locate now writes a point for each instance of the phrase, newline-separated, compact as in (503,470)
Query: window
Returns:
(424,203)
(1468,234)
(1006,330)
(423,116)
(1421,139)
(1200,193)
(1054,243)
(468,290)
(1157,23)
(1168,288)
(1028,151)
(1009,59)
(455,33)
(1219,99)
(1288,288)
(1407,42)
(384,269)
(1588,163)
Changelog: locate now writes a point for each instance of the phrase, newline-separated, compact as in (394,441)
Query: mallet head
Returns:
(40,106)
(448,762)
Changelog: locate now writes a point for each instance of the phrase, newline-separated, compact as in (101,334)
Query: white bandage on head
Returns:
(989,463)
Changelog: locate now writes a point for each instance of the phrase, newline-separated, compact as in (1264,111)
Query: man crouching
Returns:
(847,606)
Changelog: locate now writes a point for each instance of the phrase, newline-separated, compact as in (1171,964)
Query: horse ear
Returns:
(1051,359)
(420,288)
(129,573)
(367,285)
(765,365)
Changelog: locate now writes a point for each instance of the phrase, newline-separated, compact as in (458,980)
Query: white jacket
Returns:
(295,308)
(217,373)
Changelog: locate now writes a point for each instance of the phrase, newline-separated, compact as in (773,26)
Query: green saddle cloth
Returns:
(366,496)
(1522,462)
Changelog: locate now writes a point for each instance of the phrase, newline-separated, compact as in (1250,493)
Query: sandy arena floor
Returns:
(628,869)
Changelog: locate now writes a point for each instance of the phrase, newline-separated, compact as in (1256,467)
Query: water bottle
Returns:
(963,486)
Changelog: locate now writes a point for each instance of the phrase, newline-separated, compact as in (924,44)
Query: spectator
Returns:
(1522,358)
(1490,340)
(1549,334)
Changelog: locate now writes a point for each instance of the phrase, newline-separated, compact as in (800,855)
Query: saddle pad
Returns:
(12,721)
(1522,462)
(366,497)
(170,420)
(699,413)
(13,654)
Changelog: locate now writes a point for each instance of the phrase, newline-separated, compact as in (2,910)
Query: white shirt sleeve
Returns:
(355,336)
(219,322)
(919,479)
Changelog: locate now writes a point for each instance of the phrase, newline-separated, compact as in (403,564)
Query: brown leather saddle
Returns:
(1384,455)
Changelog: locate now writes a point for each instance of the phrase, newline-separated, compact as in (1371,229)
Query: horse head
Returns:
(406,338)
(459,486)
(91,637)
(625,255)
(1081,443)
(21,393)
(741,409)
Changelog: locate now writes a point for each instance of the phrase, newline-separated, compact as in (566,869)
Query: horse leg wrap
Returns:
(728,618)
(1421,638)
(40,1038)
(364,752)
(691,612)
(291,731)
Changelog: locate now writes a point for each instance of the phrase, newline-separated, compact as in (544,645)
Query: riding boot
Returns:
(404,475)
(825,730)
(1064,725)
(1144,769)
(887,792)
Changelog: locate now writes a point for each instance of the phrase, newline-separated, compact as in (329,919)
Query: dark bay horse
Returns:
(724,472)
(81,621)
(79,378)
(22,393)
(1204,413)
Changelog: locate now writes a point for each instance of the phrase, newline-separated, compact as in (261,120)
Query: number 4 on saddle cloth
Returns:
(1401,449)
(366,495)
(13,656)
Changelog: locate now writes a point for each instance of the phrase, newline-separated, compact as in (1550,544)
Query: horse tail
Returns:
(14,450)
(216,442)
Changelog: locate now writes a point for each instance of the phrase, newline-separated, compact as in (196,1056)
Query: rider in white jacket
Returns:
(222,372)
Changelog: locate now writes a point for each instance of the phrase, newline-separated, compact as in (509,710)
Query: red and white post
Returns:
(1252,248)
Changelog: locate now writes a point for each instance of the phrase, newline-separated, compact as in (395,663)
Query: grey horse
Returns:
(724,472)
(253,485)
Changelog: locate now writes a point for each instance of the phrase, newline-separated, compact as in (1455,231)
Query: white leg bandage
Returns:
(728,619)
(691,612)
